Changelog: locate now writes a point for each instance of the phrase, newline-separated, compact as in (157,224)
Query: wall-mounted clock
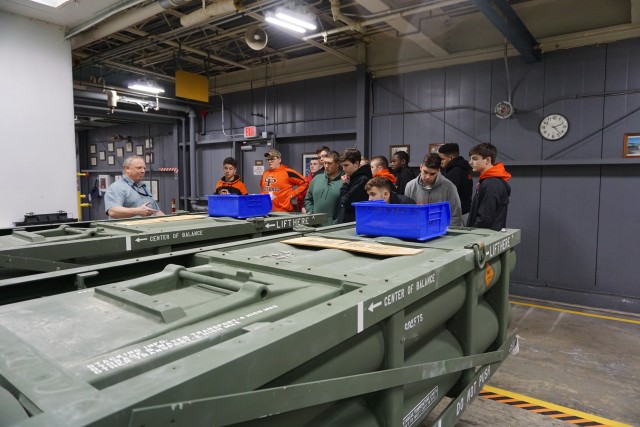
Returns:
(554,126)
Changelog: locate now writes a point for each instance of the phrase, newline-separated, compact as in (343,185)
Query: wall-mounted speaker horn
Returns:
(255,37)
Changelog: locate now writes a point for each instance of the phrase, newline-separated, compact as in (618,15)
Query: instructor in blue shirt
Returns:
(128,197)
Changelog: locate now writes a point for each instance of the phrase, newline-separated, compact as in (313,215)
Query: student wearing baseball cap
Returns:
(279,181)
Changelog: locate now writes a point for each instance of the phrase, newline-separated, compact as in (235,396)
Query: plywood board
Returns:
(160,219)
(353,246)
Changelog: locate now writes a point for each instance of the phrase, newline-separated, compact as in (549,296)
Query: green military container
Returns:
(39,261)
(322,328)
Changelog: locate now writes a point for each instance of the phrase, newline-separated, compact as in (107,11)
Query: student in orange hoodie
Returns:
(230,182)
(491,198)
(278,181)
(380,167)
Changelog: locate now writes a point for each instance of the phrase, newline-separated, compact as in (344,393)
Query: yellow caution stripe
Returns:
(580,313)
(577,418)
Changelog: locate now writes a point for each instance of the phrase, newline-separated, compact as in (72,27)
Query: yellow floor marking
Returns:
(580,313)
(554,407)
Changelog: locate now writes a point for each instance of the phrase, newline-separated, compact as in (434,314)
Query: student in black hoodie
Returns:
(354,179)
(401,170)
(457,170)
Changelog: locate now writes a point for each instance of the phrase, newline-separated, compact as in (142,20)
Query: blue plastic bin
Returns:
(420,222)
(239,206)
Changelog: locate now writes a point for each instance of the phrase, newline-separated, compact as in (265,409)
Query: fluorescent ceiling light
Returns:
(295,18)
(269,17)
(146,87)
(52,3)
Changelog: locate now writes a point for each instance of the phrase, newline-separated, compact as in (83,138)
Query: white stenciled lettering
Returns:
(413,322)
(194,233)
(159,238)
(425,281)
(484,375)
(499,247)
(393,297)
(157,347)
(420,409)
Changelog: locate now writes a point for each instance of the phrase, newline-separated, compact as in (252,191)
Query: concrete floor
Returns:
(581,362)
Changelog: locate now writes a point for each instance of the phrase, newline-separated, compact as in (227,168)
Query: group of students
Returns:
(336,181)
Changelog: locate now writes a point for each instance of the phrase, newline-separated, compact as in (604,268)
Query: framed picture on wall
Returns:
(395,148)
(139,150)
(306,160)
(93,161)
(102,155)
(104,181)
(120,152)
(128,146)
(148,158)
(433,148)
(111,160)
(110,147)
(631,145)
(93,149)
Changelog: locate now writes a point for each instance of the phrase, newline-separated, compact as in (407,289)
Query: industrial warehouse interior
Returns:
(274,318)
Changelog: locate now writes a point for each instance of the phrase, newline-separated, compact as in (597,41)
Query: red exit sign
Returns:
(249,131)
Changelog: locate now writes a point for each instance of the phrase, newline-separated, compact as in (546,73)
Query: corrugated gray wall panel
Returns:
(209,160)
(290,108)
(468,86)
(576,72)
(569,226)
(344,98)
(318,100)
(420,130)
(424,90)
(240,109)
(618,266)
(519,132)
(387,95)
(386,131)
(524,213)
(621,111)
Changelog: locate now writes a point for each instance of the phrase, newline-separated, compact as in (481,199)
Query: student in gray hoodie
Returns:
(432,187)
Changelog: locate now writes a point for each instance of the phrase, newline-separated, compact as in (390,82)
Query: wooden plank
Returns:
(358,246)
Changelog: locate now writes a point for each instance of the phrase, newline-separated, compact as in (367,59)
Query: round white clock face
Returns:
(554,127)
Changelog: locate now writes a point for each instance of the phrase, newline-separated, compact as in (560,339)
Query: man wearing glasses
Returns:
(128,197)
(278,181)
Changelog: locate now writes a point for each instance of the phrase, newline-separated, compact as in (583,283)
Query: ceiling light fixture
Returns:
(52,3)
(272,19)
(146,86)
(295,18)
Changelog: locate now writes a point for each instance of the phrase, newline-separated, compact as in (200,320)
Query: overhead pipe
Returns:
(339,16)
(122,6)
(217,8)
(165,118)
(104,97)
(120,23)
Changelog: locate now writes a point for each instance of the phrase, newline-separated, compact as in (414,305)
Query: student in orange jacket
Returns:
(230,182)
(279,180)
(380,167)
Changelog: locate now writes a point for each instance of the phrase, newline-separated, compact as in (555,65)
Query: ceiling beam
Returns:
(504,18)
(404,27)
